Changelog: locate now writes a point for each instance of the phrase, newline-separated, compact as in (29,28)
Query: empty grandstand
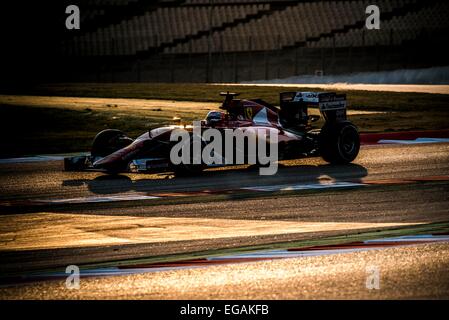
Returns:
(236,40)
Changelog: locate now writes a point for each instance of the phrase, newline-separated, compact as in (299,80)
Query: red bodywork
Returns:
(241,114)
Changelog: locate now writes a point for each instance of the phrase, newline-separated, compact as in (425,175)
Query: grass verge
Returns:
(358,99)
(32,128)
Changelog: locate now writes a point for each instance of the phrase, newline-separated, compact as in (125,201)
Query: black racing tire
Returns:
(189,170)
(339,142)
(108,141)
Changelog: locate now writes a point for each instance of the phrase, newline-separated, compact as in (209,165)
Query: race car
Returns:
(337,142)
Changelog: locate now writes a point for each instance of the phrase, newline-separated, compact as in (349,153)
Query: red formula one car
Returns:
(337,141)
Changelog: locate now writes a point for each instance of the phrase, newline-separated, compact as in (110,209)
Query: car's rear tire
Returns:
(339,142)
(108,141)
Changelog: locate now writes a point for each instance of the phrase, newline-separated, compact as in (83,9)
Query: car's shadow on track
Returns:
(216,180)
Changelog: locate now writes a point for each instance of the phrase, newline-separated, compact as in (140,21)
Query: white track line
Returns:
(31,159)
(96,199)
(306,186)
(285,253)
(414,238)
(416,141)
(40,158)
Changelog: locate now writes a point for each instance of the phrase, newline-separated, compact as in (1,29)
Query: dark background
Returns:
(32,33)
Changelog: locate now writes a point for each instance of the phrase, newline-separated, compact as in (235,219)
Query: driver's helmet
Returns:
(214,117)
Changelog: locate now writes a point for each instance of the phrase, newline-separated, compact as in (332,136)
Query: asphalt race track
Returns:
(51,219)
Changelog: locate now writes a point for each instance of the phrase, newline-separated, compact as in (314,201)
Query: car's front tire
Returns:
(108,141)
(190,169)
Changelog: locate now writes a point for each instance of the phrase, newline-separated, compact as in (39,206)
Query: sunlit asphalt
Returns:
(412,272)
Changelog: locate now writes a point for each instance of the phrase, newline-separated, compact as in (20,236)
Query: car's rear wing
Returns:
(331,105)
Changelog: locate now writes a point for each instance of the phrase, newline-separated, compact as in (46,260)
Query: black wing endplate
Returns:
(229,96)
